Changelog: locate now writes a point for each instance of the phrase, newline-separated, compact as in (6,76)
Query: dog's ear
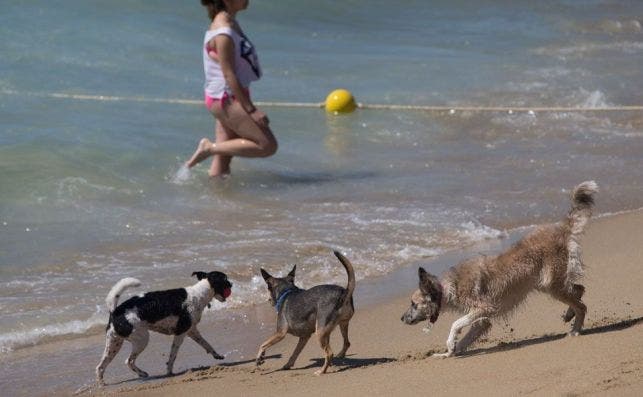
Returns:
(425,280)
(291,275)
(429,284)
(200,275)
(266,276)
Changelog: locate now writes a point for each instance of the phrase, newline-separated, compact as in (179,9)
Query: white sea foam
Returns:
(25,284)
(74,189)
(181,176)
(595,99)
(243,295)
(416,252)
(364,221)
(585,49)
(474,231)
(610,26)
(18,339)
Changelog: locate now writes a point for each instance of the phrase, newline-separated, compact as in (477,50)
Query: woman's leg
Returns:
(253,140)
(221,163)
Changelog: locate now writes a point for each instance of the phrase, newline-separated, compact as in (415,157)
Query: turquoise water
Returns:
(92,190)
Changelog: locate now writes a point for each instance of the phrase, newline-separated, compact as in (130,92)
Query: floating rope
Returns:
(450,109)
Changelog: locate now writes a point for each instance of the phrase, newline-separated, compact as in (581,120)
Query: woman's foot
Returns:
(203,151)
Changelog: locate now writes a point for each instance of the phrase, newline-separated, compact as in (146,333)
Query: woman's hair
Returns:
(213,6)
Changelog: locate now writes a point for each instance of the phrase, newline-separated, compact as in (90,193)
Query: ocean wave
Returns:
(81,194)
(594,99)
(609,26)
(416,252)
(243,295)
(13,340)
(474,232)
(585,49)
(362,221)
(72,186)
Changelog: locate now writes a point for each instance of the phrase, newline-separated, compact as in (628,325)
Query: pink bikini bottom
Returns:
(210,101)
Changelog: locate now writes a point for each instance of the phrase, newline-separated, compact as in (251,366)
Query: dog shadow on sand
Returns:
(338,364)
(350,362)
(152,378)
(504,346)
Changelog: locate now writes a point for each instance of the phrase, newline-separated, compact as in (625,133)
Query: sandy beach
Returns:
(528,355)
(476,120)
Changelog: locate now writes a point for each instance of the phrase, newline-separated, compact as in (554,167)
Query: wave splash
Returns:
(11,341)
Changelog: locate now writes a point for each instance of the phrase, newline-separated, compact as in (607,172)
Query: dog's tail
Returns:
(348,293)
(582,205)
(117,290)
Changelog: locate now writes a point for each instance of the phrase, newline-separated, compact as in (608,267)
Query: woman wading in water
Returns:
(230,63)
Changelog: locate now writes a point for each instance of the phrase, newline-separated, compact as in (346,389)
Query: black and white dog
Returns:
(172,312)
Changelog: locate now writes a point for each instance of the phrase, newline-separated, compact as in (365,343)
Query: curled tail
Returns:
(348,293)
(581,211)
(117,290)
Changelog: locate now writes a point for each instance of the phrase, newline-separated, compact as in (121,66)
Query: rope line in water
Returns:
(110,98)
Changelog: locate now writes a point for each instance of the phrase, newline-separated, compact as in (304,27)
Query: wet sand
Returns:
(528,354)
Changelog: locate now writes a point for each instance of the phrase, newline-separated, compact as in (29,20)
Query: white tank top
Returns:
(246,63)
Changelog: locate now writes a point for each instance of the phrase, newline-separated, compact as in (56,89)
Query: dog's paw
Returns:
(217,356)
(286,367)
(573,333)
(259,361)
(143,374)
(443,355)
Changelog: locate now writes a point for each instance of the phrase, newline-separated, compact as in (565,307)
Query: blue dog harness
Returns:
(282,297)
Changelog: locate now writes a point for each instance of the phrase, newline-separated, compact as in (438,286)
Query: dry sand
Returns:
(529,354)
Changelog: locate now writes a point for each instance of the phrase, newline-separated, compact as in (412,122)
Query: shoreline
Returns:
(389,346)
(528,353)
(370,291)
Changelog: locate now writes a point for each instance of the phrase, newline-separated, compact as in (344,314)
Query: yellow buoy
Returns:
(340,101)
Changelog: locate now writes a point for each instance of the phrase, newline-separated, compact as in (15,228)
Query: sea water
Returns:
(99,110)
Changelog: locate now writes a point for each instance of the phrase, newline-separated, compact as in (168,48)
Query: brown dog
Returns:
(547,260)
(304,312)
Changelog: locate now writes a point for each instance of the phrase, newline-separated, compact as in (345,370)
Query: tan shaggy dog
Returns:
(546,260)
